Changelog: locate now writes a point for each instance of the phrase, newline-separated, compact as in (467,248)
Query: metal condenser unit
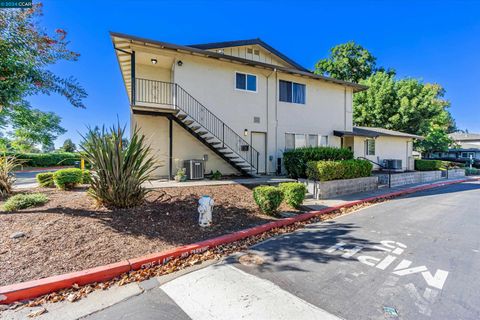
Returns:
(194,169)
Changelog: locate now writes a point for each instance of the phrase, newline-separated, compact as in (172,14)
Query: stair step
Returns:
(181,116)
(188,122)
(202,133)
(208,138)
(227,153)
(214,143)
(195,128)
(238,161)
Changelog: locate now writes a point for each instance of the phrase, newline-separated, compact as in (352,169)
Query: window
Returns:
(468,154)
(292,92)
(312,140)
(247,82)
(300,141)
(324,141)
(289,141)
(370,147)
(294,140)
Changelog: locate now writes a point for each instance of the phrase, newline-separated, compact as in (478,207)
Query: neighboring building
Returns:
(468,145)
(239,105)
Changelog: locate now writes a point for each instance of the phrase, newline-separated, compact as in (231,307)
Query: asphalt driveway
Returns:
(415,257)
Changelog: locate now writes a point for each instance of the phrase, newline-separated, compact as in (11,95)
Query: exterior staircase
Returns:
(199,121)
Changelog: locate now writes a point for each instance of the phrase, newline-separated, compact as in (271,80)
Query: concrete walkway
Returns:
(315,204)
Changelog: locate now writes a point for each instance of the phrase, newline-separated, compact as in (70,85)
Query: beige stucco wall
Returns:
(387,148)
(212,82)
(185,146)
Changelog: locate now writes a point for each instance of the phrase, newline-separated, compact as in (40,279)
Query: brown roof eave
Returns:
(164,45)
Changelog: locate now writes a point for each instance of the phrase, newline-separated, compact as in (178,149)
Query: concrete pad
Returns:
(225,292)
(94,302)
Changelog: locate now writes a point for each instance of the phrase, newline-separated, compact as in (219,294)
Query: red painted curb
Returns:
(35,288)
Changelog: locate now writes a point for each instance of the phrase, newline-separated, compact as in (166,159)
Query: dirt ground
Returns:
(70,233)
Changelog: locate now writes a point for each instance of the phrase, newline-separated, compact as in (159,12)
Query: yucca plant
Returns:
(7,178)
(118,172)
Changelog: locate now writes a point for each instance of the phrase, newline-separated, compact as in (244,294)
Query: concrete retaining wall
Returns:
(330,189)
(400,179)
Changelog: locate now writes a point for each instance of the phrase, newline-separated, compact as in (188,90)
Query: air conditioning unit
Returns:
(392,164)
(195,169)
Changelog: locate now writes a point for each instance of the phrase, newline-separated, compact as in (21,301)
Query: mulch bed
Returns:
(70,233)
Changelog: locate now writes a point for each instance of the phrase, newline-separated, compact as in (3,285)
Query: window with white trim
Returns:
(324,141)
(291,92)
(312,140)
(245,81)
(370,147)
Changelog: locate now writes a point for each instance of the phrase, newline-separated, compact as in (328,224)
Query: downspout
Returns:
(276,115)
(345,109)
(267,169)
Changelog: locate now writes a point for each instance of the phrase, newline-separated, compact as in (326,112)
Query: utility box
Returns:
(195,169)
(393,164)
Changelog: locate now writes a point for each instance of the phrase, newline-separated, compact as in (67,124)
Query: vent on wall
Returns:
(256,119)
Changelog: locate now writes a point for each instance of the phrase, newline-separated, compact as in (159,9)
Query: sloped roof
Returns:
(122,41)
(249,42)
(374,132)
(460,136)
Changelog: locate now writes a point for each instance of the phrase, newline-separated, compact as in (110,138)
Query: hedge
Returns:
(47,159)
(428,165)
(295,161)
(68,178)
(45,179)
(293,193)
(336,170)
(268,198)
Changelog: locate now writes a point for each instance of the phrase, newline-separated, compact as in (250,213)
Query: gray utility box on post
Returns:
(195,169)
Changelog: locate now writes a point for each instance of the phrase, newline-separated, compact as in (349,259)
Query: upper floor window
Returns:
(245,81)
(292,92)
(370,147)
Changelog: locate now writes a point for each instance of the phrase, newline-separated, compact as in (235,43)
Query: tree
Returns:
(32,127)
(406,105)
(25,53)
(69,146)
(349,62)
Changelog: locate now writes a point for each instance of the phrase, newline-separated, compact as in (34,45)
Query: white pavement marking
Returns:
(225,292)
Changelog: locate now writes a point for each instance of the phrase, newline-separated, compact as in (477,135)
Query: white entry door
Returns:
(259,143)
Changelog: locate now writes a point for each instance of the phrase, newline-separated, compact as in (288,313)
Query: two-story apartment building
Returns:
(239,105)
(467,146)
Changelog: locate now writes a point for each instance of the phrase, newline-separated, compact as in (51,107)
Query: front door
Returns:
(259,143)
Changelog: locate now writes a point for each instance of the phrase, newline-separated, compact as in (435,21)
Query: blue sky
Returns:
(437,41)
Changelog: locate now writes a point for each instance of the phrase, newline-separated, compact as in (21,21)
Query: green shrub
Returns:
(23,201)
(472,171)
(217,175)
(86,177)
(293,193)
(268,198)
(67,178)
(50,159)
(295,161)
(428,165)
(45,179)
(120,170)
(336,170)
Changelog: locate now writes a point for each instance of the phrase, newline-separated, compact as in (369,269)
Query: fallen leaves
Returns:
(77,292)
